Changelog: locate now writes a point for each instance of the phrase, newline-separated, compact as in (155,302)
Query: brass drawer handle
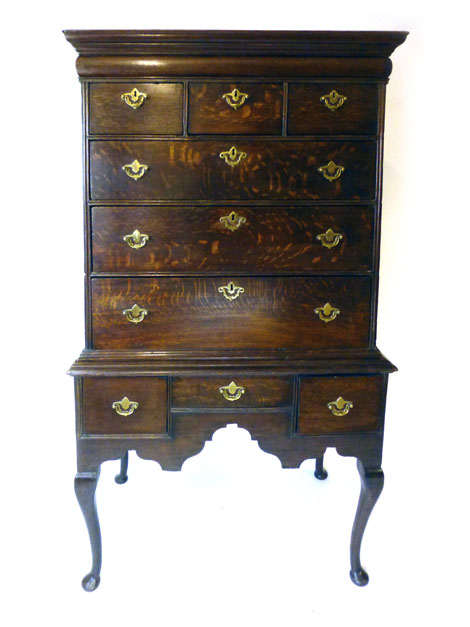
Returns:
(134,98)
(333,100)
(233,156)
(327,313)
(125,407)
(231,291)
(233,221)
(330,239)
(136,239)
(135,170)
(340,407)
(235,98)
(232,392)
(135,314)
(331,171)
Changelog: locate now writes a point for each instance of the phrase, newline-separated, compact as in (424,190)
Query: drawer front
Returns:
(340,404)
(246,239)
(231,391)
(230,312)
(309,112)
(235,108)
(160,112)
(194,170)
(124,405)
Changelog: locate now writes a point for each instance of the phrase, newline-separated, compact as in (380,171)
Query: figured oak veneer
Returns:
(232,277)
(191,312)
(193,170)
(270,240)
(260,113)
(309,115)
(161,112)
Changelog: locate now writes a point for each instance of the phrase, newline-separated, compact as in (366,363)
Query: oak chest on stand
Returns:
(232,187)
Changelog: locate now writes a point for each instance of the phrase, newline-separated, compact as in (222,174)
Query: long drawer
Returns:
(230,312)
(221,239)
(234,169)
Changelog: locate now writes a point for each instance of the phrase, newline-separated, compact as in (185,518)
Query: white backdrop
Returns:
(233,539)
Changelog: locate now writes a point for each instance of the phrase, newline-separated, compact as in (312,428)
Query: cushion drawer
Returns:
(308,113)
(321,410)
(231,391)
(101,393)
(194,170)
(235,108)
(190,313)
(161,111)
(248,239)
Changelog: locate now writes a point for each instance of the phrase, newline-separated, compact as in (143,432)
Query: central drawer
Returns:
(222,239)
(230,312)
(231,392)
(232,169)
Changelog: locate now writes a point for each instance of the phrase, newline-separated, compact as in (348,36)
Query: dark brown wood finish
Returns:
(286,364)
(194,170)
(99,417)
(268,239)
(309,115)
(187,313)
(365,394)
(204,392)
(161,112)
(260,113)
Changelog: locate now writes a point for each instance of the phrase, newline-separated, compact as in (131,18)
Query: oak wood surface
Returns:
(193,239)
(259,391)
(194,170)
(260,114)
(99,394)
(366,393)
(191,313)
(161,113)
(307,114)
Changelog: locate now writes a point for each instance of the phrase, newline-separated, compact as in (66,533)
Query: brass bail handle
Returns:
(232,392)
(340,407)
(125,407)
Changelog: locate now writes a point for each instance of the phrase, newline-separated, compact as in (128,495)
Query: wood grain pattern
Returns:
(366,394)
(308,115)
(190,312)
(99,393)
(192,239)
(193,170)
(193,392)
(161,113)
(209,113)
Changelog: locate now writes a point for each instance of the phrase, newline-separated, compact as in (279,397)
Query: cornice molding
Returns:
(235,43)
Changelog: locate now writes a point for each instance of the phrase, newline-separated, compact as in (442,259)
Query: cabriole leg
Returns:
(85,488)
(320,472)
(372,482)
(122,476)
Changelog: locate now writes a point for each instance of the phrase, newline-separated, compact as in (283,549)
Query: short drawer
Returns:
(232,170)
(231,391)
(124,405)
(225,312)
(246,239)
(235,108)
(340,404)
(332,109)
(136,108)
